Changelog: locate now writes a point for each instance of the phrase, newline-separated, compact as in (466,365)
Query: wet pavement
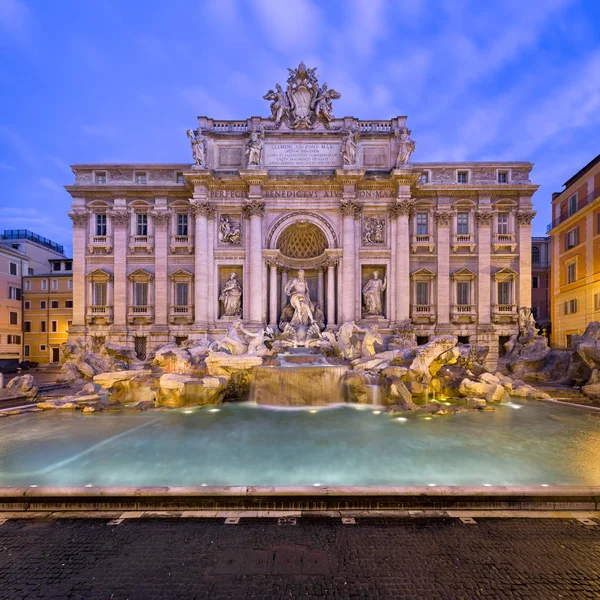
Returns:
(307,557)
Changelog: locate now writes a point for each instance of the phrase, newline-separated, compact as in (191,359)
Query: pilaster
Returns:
(119,219)
(443,220)
(80,228)
(484,270)
(524,219)
(160,221)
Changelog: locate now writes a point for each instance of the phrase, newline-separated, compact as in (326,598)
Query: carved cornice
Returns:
(403,208)
(254,176)
(118,218)
(350,208)
(203,209)
(484,218)
(349,176)
(443,218)
(253,208)
(79,219)
(199,177)
(406,176)
(524,217)
(160,217)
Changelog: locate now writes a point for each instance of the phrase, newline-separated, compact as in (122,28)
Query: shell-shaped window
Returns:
(302,240)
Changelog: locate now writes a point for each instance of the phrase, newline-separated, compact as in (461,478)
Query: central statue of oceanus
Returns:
(304,104)
(301,319)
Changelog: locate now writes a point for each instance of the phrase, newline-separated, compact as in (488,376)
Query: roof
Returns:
(582,171)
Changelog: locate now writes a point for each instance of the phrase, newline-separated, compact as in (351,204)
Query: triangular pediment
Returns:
(464,273)
(505,273)
(182,273)
(99,274)
(423,273)
(140,274)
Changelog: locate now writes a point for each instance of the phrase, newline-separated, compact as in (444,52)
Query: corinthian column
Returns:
(202,209)
(524,218)
(443,219)
(401,212)
(119,220)
(253,211)
(484,271)
(160,221)
(350,212)
(80,221)
(272,293)
(331,263)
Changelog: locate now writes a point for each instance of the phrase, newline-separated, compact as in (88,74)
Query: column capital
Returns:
(331,263)
(524,217)
(484,218)
(403,208)
(160,217)
(253,208)
(350,208)
(203,209)
(443,218)
(254,177)
(79,219)
(119,218)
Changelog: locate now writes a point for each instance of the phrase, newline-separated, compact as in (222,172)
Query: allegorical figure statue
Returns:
(322,103)
(299,294)
(229,231)
(198,143)
(280,104)
(373,295)
(349,144)
(254,147)
(371,337)
(231,297)
(406,146)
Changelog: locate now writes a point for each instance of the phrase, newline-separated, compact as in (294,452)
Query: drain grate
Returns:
(468,520)
(232,520)
(286,521)
(587,522)
(115,522)
(348,520)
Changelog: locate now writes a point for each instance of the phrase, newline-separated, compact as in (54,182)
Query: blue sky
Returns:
(120,81)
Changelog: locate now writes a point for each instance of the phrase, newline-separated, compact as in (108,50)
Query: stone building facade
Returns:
(540,281)
(159,248)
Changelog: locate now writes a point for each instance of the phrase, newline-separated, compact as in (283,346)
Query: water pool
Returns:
(521,443)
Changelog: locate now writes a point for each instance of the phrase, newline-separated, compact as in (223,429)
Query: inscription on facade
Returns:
(302,155)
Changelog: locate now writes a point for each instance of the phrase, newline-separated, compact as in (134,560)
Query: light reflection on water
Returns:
(243,444)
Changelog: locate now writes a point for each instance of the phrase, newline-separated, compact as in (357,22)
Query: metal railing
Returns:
(25,234)
(580,204)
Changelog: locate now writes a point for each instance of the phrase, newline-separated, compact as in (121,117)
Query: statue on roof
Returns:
(198,142)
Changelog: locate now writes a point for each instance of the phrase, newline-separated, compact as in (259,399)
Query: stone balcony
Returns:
(181,244)
(422,242)
(504,313)
(100,243)
(141,243)
(463,313)
(463,240)
(181,314)
(504,242)
(99,315)
(422,313)
(140,315)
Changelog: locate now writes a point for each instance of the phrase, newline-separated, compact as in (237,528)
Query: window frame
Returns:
(13,266)
(465,225)
(424,215)
(101,225)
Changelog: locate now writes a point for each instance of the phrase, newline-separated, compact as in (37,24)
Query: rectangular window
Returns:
(462,177)
(30,271)
(100,177)
(572,204)
(43,326)
(14,293)
(28,285)
(42,347)
(179,178)
(573,306)
(424,178)
(69,265)
(182,224)
(140,178)
(42,304)
(68,303)
(422,293)
(14,318)
(69,323)
(54,326)
(596,301)
(503,223)
(70,284)
(54,304)
(56,266)
(502,177)
(572,272)
(598,223)
(141,294)
(27,350)
(181,294)
(13,268)
(13,339)
(572,238)
(100,294)
(462,223)
(463,293)
(569,338)
(422,223)
(100,224)
(27,304)
(534,312)
(44,284)
(27,326)
(142,224)
(55,284)
(504,289)
(535,281)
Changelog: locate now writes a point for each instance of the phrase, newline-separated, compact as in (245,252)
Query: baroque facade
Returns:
(174,251)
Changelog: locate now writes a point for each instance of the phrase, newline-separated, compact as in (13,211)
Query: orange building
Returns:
(575,242)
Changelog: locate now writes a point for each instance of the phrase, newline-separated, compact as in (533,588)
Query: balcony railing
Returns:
(100,242)
(144,242)
(181,314)
(503,312)
(504,240)
(581,203)
(99,314)
(182,241)
(462,240)
(422,240)
(462,312)
(139,313)
(423,313)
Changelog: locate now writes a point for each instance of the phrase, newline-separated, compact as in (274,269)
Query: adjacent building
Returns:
(164,250)
(540,281)
(575,268)
(47,311)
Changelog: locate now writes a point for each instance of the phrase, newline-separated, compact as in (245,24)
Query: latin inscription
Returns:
(302,155)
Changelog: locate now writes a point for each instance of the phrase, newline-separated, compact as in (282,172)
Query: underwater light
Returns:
(316,484)
(432,484)
(313,411)
(544,485)
(33,486)
(376,412)
(447,403)
(487,485)
(402,419)
(89,485)
(214,409)
(513,405)
(188,412)
(428,418)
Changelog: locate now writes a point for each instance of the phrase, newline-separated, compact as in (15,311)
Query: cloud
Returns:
(366,26)
(49,184)
(101,130)
(5,167)
(21,147)
(43,223)
(15,17)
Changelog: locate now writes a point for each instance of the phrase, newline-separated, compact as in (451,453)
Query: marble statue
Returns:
(406,146)
(254,146)
(299,294)
(373,296)
(345,343)
(256,341)
(231,297)
(374,230)
(322,103)
(229,231)
(371,337)
(280,104)
(198,142)
(349,144)
(234,341)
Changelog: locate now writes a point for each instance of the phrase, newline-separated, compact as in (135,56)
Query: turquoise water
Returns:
(521,443)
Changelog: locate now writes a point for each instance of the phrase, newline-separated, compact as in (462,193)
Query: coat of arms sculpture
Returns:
(304,104)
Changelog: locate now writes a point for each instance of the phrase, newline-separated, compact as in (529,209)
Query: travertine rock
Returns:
(490,391)
(23,384)
(221,364)
(109,380)
(426,354)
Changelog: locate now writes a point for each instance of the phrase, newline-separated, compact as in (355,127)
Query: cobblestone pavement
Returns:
(316,558)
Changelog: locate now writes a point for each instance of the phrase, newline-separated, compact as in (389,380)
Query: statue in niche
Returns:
(349,144)
(254,146)
(280,104)
(231,297)
(373,296)
(406,146)
(229,231)
(322,103)
(299,294)
(198,142)
(374,230)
